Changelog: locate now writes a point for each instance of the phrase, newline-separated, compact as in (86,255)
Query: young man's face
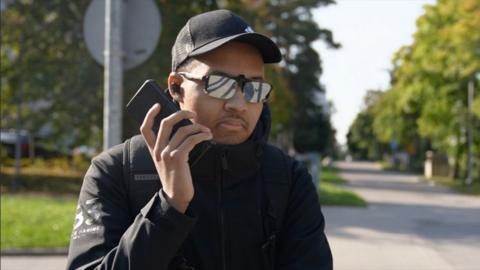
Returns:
(231,121)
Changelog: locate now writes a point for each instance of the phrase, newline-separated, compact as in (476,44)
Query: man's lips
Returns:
(232,123)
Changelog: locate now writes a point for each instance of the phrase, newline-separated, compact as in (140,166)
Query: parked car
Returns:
(8,139)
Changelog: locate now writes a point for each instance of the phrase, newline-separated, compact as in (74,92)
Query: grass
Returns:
(458,185)
(40,213)
(36,221)
(331,193)
(330,175)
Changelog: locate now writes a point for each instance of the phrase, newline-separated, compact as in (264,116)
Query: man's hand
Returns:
(171,155)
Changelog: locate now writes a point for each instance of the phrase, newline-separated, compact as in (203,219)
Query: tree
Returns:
(446,53)
(44,58)
(428,96)
(46,68)
(362,141)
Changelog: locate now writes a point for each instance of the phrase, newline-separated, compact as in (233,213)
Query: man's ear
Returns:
(174,86)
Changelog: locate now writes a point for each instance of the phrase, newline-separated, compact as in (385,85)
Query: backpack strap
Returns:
(137,163)
(126,163)
(138,166)
(276,182)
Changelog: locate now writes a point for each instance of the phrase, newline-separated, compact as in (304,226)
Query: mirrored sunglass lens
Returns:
(256,91)
(249,92)
(221,86)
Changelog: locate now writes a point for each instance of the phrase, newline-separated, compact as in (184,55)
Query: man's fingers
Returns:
(189,143)
(167,124)
(146,127)
(182,133)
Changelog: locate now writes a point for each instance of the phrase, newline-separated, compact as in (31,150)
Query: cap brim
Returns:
(268,49)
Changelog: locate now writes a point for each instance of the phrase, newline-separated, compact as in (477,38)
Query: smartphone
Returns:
(149,94)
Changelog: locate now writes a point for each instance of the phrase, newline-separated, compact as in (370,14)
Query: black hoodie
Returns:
(124,224)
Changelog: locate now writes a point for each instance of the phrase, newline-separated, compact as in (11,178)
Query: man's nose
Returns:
(237,102)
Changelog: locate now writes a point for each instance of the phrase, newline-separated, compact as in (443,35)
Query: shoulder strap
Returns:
(126,162)
(275,171)
(137,162)
(138,166)
(276,183)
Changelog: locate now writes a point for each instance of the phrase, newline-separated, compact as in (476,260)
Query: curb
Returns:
(35,252)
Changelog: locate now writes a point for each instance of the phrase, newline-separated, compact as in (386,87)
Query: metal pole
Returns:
(469,179)
(18,146)
(113,74)
(18,143)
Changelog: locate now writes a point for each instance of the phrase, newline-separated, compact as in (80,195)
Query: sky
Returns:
(370,32)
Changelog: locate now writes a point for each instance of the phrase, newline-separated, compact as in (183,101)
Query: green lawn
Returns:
(40,213)
(29,221)
(330,175)
(459,185)
(331,193)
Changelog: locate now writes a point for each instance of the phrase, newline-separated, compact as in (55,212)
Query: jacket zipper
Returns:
(224,165)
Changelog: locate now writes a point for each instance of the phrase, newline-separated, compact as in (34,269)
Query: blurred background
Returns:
(391,87)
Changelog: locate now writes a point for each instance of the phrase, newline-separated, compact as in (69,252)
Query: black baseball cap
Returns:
(208,31)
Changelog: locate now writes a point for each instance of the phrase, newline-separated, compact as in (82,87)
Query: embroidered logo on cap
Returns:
(249,30)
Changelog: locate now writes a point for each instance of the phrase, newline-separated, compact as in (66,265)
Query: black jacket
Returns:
(129,225)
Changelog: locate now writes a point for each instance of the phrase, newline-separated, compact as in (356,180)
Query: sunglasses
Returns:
(224,87)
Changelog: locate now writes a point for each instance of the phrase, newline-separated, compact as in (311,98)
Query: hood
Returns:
(262,130)
(239,161)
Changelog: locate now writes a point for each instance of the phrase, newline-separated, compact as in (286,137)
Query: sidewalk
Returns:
(407,225)
(33,262)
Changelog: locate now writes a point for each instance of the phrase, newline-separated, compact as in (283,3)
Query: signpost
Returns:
(130,29)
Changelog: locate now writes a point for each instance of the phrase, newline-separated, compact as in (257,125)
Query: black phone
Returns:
(148,95)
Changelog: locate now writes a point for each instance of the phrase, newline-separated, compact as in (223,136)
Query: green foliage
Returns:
(281,100)
(55,176)
(476,106)
(45,65)
(426,105)
(36,221)
(362,140)
(49,75)
(46,69)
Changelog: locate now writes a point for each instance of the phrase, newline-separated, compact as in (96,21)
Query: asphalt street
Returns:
(409,224)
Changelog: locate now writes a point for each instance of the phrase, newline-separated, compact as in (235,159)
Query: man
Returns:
(223,211)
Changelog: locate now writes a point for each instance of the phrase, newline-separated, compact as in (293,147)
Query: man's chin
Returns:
(230,139)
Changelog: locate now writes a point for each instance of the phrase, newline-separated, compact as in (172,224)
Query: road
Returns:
(409,224)
(33,262)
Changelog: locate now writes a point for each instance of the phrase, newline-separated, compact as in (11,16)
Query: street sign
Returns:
(140,31)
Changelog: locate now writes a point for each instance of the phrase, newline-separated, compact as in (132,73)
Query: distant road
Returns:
(33,262)
(408,225)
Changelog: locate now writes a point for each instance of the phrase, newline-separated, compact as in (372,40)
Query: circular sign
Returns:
(140,31)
